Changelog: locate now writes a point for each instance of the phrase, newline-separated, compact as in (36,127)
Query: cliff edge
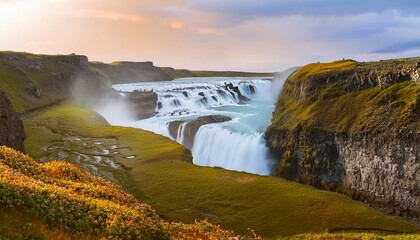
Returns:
(12,133)
(354,128)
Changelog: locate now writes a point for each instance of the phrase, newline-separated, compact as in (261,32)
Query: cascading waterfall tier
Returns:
(189,95)
(222,120)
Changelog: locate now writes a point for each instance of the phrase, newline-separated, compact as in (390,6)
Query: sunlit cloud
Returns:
(210,31)
(119,16)
(253,35)
(177,24)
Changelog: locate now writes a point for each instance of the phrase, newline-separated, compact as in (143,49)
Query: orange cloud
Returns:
(177,24)
(106,14)
(210,31)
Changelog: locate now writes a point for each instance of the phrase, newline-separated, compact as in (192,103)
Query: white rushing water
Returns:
(237,144)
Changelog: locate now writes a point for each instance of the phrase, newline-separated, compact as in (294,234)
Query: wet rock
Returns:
(190,128)
(235,89)
(143,104)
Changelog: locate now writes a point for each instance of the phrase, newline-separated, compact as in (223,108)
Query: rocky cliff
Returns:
(130,72)
(11,127)
(354,128)
(32,81)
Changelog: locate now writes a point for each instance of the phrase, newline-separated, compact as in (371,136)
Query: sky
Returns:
(245,35)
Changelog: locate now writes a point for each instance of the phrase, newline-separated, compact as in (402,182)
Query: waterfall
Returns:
(190,95)
(215,145)
(236,112)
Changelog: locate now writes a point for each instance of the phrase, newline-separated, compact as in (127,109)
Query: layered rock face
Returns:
(353,128)
(385,170)
(12,133)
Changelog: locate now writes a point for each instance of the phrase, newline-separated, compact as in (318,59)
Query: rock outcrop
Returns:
(354,128)
(142,104)
(12,133)
(185,131)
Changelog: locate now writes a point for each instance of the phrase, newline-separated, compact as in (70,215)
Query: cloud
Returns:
(236,12)
(252,35)
(302,7)
(210,31)
(177,24)
(399,47)
(106,14)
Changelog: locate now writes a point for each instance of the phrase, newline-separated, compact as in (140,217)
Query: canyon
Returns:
(346,126)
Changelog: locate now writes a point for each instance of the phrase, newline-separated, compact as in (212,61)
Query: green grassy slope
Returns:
(160,174)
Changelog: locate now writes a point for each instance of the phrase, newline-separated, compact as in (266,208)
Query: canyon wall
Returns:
(354,128)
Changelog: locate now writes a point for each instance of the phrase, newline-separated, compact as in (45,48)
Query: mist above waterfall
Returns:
(279,80)
(115,111)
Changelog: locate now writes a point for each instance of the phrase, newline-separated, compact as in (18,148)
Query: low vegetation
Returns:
(355,236)
(64,197)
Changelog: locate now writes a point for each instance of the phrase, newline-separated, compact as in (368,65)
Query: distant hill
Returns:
(183,73)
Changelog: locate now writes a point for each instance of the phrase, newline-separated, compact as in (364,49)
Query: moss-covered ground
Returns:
(311,102)
(159,172)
